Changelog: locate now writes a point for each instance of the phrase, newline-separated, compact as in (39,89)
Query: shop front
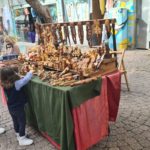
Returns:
(25,18)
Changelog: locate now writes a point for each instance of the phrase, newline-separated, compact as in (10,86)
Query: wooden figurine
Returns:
(73,32)
(89,33)
(66,33)
(80,32)
(97,29)
(60,32)
(53,29)
(108,28)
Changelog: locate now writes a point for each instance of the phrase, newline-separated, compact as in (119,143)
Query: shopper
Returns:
(32,32)
(16,100)
(11,46)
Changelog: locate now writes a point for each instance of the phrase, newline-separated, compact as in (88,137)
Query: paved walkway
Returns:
(132,128)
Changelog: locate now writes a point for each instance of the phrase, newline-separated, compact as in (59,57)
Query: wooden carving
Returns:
(73,32)
(60,32)
(66,33)
(80,32)
(89,33)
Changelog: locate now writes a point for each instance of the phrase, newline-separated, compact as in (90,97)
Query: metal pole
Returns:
(63,10)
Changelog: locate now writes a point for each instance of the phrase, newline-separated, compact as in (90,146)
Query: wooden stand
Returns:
(107,66)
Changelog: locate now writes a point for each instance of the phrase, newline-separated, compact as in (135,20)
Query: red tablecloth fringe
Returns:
(50,140)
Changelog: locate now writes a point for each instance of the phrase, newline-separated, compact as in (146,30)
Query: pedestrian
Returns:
(11,45)
(13,87)
(26,30)
(32,32)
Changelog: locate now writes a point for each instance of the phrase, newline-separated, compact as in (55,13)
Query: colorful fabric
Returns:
(91,118)
(49,108)
(102,6)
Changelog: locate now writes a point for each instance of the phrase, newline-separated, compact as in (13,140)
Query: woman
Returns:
(11,46)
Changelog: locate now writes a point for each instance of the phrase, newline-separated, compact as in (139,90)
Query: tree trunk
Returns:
(96,14)
(40,9)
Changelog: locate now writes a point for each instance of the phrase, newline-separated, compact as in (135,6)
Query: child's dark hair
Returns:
(8,76)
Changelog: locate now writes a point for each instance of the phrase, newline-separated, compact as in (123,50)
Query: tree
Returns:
(96,14)
(40,9)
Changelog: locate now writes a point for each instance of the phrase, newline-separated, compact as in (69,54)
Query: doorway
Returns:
(143,24)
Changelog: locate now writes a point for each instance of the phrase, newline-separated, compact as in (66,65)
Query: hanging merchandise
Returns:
(80,32)
(102,6)
(66,33)
(53,29)
(104,35)
(73,32)
(108,28)
(89,33)
(97,29)
(60,33)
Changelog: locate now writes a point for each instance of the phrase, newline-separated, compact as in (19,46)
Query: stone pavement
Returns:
(131,131)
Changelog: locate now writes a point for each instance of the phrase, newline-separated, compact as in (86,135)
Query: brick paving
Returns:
(131,131)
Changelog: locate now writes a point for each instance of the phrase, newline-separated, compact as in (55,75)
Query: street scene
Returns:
(74,75)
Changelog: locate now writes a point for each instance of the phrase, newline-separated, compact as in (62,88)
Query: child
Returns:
(16,100)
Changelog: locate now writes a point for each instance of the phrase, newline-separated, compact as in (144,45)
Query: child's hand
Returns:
(32,71)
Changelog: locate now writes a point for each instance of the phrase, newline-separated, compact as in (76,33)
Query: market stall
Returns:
(74,117)
(72,108)
(73,94)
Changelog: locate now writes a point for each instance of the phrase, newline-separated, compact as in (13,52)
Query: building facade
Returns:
(77,10)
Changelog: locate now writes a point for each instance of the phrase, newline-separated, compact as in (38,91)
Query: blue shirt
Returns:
(20,83)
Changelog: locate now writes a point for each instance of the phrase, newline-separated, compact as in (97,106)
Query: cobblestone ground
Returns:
(131,131)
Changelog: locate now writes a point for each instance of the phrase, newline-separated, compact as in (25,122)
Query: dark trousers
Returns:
(32,36)
(19,120)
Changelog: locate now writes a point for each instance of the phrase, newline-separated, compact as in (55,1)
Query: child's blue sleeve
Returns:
(20,83)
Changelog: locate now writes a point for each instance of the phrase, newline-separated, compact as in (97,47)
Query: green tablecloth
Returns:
(49,108)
